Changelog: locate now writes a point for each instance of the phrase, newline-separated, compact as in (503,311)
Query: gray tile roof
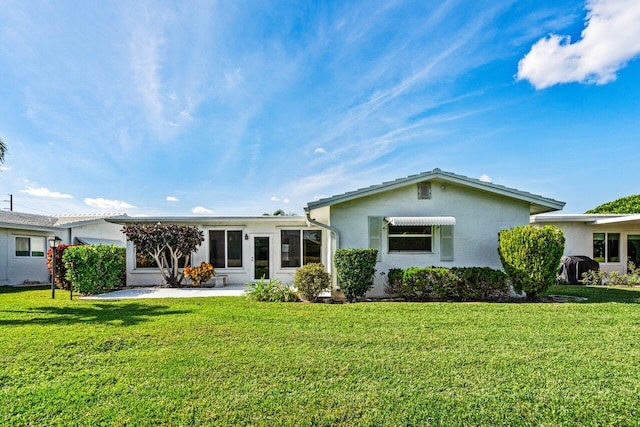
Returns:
(26,220)
(539,204)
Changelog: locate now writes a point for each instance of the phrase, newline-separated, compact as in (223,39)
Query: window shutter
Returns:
(375,234)
(446,243)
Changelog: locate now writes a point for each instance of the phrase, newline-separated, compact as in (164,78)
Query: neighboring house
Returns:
(612,240)
(434,218)
(23,241)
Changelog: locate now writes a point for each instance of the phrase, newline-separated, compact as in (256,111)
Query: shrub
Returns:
(270,291)
(310,280)
(458,283)
(531,256)
(420,283)
(95,269)
(394,281)
(200,274)
(61,271)
(355,269)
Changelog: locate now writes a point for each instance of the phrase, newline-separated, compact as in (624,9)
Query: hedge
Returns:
(95,269)
(355,269)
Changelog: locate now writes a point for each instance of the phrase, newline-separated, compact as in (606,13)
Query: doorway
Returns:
(261,257)
(633,249)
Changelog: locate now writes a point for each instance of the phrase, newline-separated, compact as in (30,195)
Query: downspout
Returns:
(336,234)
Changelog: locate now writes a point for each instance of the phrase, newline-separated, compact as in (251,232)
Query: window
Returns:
(146,261)
(606,246)
(299,247)
(30,246)
(414,238)
(225,248)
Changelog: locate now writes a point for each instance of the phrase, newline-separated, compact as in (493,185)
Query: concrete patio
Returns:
(158,292)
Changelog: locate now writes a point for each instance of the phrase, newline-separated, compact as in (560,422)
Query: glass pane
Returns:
(261,256)
(234,248)
(633,249)
(216,248)
(290,249)
(413,229)
(312,241)
(421,244)
(37,246)
(613,244)
(22,246)
(598,247)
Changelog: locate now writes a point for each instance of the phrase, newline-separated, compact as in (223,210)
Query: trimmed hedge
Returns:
(458,283)
(531,257)
(310,280)
(95,269)
(355,269)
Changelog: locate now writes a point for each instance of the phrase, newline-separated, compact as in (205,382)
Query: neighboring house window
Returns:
(225,248)
(299,247)
(415,238)
(30,246)
(146,261)
(606,246)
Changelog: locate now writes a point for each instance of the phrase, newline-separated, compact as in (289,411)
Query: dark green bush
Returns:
(310,280)
(95,269)
(355,269)
(458,283)
(531,257)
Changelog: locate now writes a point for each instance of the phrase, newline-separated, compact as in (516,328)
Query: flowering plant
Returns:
(200,274)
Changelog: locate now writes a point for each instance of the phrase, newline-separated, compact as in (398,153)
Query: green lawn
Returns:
(227,361)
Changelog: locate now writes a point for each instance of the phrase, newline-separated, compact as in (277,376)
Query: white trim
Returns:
(407,221)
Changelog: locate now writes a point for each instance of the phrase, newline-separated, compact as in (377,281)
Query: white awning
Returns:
(421,220)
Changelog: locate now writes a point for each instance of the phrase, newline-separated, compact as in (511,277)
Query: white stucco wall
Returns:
(98,230)
(579,240)
(479,218)
(15,270)
(240,275)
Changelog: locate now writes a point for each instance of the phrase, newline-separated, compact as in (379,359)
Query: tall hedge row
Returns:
(531,256)
(95,269)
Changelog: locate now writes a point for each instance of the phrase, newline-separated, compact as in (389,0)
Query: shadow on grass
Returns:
(16,289)
(125,314)
(598,294)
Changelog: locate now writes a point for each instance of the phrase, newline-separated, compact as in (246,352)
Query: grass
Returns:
(229,361)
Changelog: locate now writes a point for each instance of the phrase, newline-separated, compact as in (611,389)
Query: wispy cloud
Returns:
(102,203)
(172,199)
(610,39)
(45,192)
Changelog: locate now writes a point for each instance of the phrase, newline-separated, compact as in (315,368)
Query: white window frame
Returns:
(31,238)
(397,236)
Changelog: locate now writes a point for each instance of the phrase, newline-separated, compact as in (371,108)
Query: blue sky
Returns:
(240,108)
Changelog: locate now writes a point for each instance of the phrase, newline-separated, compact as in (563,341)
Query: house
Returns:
(612,240)
(23,241)
(433,218)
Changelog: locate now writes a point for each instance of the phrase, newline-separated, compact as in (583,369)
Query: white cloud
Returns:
(45,192)
(286,200)
(610,39)
(101,203)
(320,150)
(172,199)
(5,168)
(201,210)
(485,178)
(274,199)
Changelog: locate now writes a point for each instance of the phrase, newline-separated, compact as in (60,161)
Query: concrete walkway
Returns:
(157,292)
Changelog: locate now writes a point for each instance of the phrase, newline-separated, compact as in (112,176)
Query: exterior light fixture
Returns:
(53,244)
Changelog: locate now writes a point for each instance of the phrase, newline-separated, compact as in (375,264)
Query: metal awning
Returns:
(421,220)
(93,241)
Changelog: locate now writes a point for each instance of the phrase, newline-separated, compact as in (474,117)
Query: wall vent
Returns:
(424,190)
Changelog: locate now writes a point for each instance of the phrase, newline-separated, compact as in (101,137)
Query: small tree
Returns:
(355,269)
(166,244)
(61,269)
(531,256)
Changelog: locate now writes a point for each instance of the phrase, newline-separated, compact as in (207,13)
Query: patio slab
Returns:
(158,292)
